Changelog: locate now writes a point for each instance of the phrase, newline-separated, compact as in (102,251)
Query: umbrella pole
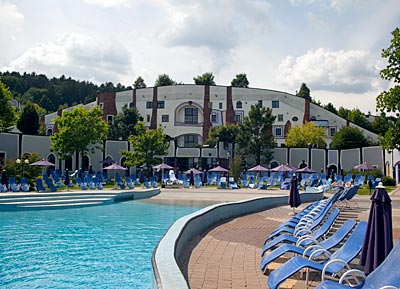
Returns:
(115,179)
(292,213)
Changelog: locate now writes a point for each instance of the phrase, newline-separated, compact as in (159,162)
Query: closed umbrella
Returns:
(378,240)
(294,196)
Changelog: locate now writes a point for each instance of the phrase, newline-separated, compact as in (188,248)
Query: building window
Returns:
(191,115)
(131,105)
(278,131)
(148,118)
(165,118)
(280,117)
(49,131)
(214,117)
(149,104)
(101,104)
(239,104)
(295,118)
(237,118)
(275,104)
(259,104)
(332,131)
(190,140)
(220,105)
(160,104)
(109,118)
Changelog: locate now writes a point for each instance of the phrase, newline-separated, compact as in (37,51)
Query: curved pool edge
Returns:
(166,272)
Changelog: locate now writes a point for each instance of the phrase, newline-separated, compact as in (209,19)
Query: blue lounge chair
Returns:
(349,195)
(386,274)
(327,244)
(300,240)
(81,184)
(39,185)
(119,182)
(146,184)
(301,226)
(3,188)
(24,185)
(350,249)
(13,184)
(129,183)
(51,186)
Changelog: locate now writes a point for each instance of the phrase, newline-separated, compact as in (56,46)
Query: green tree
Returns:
(255,135)
(344,112)
(222,133)
(147,147)
(389,101)
(164,80)
(381,124)
(28,121)
(304,92)
(123,124)
(349,137)
(358,118)
(306,135)
(7,111)
(139,83)
(204,79)
(240,80)
(330,107)
(79,131)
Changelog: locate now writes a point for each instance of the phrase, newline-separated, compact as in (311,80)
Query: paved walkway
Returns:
(228,255)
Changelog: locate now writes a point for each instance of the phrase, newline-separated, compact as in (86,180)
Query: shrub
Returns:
(388,181)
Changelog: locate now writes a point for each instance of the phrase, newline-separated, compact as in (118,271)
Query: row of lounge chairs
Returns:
(306,235)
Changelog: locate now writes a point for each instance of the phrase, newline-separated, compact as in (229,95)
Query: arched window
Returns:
(85,163)
(239,104)
(49,131)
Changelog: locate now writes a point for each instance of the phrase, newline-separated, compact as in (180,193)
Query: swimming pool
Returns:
(95,247)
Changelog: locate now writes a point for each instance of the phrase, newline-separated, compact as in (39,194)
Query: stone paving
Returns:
(228,255)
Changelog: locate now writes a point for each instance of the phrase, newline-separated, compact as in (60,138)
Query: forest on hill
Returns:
(54,93)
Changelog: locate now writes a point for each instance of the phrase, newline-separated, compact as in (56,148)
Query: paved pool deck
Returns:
(228,255)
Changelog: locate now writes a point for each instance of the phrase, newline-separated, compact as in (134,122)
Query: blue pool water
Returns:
(95,247)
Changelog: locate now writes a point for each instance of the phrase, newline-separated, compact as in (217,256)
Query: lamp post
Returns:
(227,160)
(21,165)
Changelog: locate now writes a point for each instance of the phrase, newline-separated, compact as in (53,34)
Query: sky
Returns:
(334,46)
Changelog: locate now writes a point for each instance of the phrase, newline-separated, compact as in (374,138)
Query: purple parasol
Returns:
(163,167)
(378,240)
(115,166)
(219,169)
(365,167)
(42,163)
(305,170)
(259,168)
(194,171)
(283,168)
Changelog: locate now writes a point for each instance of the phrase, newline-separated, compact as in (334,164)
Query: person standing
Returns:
(4,179)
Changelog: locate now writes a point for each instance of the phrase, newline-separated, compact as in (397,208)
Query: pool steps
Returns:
(35,200)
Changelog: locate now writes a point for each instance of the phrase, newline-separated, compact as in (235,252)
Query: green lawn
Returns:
(364,190)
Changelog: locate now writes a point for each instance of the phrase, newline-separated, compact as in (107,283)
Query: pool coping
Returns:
(166,272)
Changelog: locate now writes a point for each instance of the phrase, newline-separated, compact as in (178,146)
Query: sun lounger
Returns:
(39,185)
(308,237)
(386,274)
(301,225)
(327,244)
(348,195)
(24,185)
(129,183)
(344,255)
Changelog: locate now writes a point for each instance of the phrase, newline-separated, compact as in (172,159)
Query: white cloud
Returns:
(318,23)
(78,56)
(340,71)
(109,3)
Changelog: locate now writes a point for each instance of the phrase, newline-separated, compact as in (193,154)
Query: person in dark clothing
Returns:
(370,185)
(4,179)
